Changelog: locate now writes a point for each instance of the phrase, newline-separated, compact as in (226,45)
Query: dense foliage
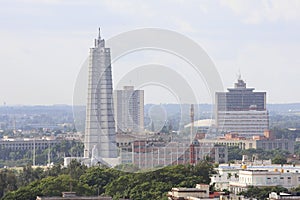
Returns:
(277,156)
(262,193)
(30,183)
(284,121)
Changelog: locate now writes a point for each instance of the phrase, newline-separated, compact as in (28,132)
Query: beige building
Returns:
(129,110)
(27,144)
(266,142)
(73,196)
(200,192)
(148,154)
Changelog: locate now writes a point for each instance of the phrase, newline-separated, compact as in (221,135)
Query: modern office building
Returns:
(242,110)
(129,110)
(100,125)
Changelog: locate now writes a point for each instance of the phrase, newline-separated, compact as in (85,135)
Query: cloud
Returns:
(137,8)
(57,2)
(258,11)
(40,69)
(183,25)
(272,68)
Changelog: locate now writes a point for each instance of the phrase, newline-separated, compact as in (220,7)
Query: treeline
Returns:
(99,180)
(57,152)
(263,193)
(283,121)
(286,133)
(277,156)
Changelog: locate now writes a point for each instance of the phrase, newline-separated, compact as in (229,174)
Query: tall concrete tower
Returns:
(100,124)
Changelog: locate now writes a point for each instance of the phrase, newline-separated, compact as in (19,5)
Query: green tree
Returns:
(29,174)
(49,186)
(76,169)
(262,193)
(98,177)
(155,184)
(279,159)
(8,181)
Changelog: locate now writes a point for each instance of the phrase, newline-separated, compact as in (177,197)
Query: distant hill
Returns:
(284,108)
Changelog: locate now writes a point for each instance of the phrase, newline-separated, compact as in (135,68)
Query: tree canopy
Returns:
(106,181)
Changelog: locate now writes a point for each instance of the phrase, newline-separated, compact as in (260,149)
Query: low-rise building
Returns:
(148,154)
(73,196)
(27,144)
(282,195)
(266,142)
(200,192)
(237,178)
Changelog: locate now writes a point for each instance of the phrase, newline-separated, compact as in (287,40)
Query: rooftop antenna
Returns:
(14,125)
(33,161)
(99,35)
(192,122)
(239,75)
(5,108)
(49,151)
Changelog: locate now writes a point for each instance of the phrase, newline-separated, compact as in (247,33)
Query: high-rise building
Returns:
(129,110)
(242,110)
(100,125)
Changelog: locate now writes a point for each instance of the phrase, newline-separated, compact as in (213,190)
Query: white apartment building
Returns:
(242,176)
(129,110)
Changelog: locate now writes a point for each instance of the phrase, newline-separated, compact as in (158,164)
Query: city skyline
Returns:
(44,43)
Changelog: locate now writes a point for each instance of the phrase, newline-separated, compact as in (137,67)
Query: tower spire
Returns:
(239,75)
(99,35)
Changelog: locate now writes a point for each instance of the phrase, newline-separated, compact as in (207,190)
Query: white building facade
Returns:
(238,178)
(248,123)
(100,124)
(129,110)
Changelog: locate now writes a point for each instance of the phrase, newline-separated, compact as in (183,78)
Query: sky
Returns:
(44,43)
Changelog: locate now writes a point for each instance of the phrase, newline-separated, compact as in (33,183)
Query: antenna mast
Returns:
(192,122)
